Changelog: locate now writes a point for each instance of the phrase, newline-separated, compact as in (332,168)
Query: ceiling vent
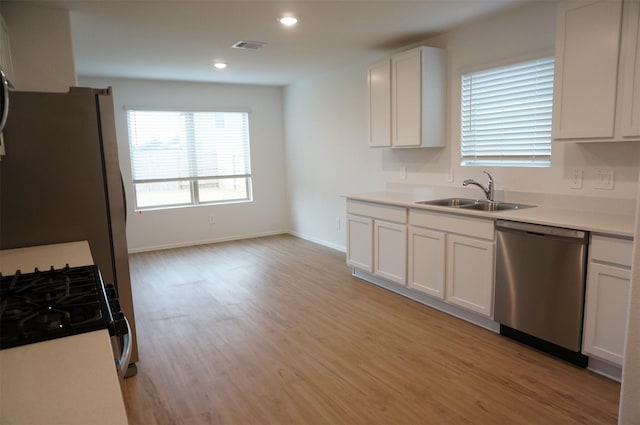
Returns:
(248,45)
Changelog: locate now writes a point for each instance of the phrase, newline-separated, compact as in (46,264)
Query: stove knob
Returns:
(119,326)
(111,291)
(114,305)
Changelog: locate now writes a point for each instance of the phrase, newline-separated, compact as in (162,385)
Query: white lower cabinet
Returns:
(426,261)
(360,242)
(377,239)
(607,298)
(390,251)
(470,273)
(452,258)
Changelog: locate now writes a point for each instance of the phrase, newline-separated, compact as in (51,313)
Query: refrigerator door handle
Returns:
(5,100)
(124,199)
(5,108)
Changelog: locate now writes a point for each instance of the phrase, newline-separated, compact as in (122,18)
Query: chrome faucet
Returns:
(488,191)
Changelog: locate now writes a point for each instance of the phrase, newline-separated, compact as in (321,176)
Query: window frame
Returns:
(457,124)
(193,181)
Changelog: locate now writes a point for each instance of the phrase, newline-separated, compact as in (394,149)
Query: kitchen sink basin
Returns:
(495,206)
(450,202)
(474,204)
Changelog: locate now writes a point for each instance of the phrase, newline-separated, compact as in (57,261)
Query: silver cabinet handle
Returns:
(123,362)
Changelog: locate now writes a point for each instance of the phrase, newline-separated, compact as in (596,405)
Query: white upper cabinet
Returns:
(596,79)
(407,99)
(630,71)
(379,81)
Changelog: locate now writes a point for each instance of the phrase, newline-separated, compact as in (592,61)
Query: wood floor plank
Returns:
(275,330)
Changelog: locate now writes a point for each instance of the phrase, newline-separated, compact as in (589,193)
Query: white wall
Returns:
(267,214)
(326,128)
(326,154)
(41,47)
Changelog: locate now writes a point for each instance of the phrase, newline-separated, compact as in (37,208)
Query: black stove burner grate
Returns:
(51,304)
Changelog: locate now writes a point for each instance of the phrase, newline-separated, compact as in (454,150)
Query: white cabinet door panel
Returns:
(470,266)
(390,251)
(360,242)
(586,75)
(406,77)
(630,64)
(606,308)
(427,261)
(379,79)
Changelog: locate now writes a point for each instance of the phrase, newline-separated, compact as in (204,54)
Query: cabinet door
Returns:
(360,242)
(606,306)
(390,251)
(587,43)
(406,98)
(630,78)
(426,261)
(379,81)
(470,265)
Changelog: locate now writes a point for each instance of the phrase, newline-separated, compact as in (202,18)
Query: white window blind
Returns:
(189,158)
(506,115)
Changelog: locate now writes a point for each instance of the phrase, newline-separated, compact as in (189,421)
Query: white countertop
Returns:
(43,257)
(68,381)
(71,380)
(597,222)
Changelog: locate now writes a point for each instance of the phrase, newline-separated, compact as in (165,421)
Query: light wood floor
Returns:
(276,331)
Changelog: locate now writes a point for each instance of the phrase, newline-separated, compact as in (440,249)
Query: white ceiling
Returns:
(180,39)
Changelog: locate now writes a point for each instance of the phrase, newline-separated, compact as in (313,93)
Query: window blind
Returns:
(169,149)
(506,115)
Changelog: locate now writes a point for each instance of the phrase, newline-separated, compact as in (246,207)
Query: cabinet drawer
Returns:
(470,226)
(378,211)
(611,250)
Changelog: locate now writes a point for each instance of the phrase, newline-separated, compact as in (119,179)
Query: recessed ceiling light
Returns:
(220,65)
(288,20)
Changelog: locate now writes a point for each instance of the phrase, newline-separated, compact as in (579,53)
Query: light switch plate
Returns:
(576,179)
(604,178)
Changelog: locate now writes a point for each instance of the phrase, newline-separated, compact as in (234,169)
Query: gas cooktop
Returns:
(50,304)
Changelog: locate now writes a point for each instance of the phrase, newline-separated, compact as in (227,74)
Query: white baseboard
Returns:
(319,241)
(205,241)
(605,369)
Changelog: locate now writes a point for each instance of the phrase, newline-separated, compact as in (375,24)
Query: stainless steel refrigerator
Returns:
(60,181)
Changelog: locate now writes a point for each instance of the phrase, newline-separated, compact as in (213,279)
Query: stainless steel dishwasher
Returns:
(540,284)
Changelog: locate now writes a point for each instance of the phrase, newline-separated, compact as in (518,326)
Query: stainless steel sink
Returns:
(450,202)
(474,204)
(495,206)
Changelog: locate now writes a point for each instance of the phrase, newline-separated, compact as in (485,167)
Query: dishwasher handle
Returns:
(541,230)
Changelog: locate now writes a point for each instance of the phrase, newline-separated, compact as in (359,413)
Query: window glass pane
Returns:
(189,148)
(506,115)
(158,143)
(216,190)
(221,143)
(163,193)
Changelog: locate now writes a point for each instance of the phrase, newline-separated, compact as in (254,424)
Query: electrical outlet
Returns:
(604,178)
(338,223)
(576,179)
(403,173)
